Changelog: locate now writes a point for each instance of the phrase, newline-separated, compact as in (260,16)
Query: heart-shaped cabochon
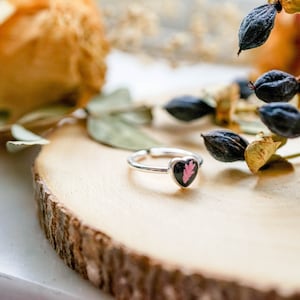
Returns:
(184,170)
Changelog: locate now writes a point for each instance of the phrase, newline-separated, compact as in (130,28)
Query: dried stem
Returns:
(291,156)
(247,109)
(120,110)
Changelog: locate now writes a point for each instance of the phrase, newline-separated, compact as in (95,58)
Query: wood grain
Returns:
(232,235)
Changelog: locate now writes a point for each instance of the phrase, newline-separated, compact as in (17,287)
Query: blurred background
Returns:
(190,30)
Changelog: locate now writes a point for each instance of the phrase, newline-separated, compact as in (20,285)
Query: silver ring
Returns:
(183,167)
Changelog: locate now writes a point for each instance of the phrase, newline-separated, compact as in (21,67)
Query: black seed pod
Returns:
(257,25)
(245,90)
(276,86)
(188,108)
(281,118)
(225,145)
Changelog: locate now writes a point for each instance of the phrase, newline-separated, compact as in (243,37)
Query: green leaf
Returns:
(105,103)
(44,117)
(140,116)
(25,139)
(112,119)
(44,113)
(119,103)
(115,132)
(22,134)
(17,146)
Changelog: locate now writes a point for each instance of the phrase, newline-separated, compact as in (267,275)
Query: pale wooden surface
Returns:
(29,268)
(230,225)
(42,265)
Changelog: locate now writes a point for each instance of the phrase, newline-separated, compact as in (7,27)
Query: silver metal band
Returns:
(184,164)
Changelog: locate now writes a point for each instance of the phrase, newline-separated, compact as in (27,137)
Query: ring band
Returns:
(183,167)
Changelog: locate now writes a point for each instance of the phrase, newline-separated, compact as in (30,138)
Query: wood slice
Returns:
(232,235)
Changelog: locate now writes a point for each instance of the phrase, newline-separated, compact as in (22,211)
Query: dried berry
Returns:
(188,108)
(257,25)
(276,86)
(245,90)
(281,118)
(225,145)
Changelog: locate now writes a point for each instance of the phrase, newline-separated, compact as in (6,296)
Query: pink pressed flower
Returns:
(189,170)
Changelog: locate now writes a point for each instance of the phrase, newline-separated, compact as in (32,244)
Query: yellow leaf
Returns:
(259,152)
(277,138)
(226,101)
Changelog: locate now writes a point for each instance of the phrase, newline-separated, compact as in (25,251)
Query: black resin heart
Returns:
(185,171)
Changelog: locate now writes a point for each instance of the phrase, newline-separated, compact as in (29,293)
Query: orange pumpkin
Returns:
(50,51)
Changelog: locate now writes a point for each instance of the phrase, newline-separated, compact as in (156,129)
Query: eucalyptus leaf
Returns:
(22,134)
(41,118)
(140,116)
(115,132)
(105,103)
(25,139)
(44,113)
(17,146)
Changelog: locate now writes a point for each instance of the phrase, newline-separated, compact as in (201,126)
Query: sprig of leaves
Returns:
(23,132)
(36,120)
(113,120)
(24,139)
